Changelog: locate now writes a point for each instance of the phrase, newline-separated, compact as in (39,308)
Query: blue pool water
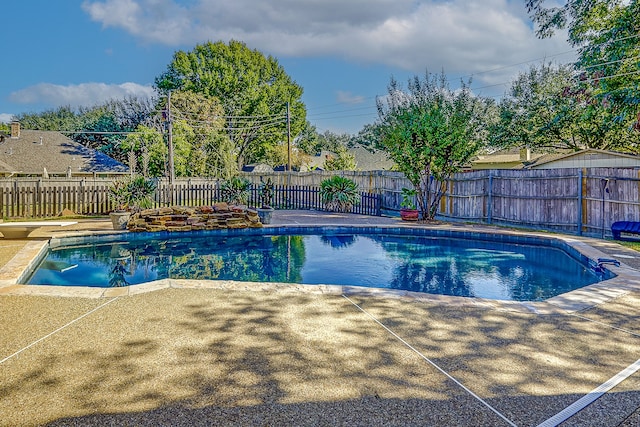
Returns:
(422,263)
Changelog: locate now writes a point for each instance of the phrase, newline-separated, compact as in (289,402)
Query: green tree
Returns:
(198,133)
(606,33)
(368,137)
(332,141)
(254,91)
(150,149)
(431,131)
(307,140)
(342,161)
(534,113)
(58,119)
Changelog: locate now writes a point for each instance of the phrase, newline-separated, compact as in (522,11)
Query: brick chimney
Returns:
(15,130)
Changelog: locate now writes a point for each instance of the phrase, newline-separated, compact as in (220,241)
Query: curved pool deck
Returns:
(627,278)
(242,354)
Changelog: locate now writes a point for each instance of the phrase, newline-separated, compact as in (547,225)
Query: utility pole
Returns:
(288,139)
(172,173)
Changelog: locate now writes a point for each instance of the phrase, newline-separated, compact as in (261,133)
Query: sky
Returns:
(342,52)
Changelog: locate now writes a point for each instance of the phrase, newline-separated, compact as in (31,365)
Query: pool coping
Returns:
(626,280)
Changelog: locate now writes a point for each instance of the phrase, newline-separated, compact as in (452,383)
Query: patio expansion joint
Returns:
(591,397)
(57,330)
(599,391)
(425,358)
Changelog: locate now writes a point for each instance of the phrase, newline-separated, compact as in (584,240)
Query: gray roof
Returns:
(371,160)
(365,160)
(35,150)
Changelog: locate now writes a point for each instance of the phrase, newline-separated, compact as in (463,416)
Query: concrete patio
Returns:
(203,353)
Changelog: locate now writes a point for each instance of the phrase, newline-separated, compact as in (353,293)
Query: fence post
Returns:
(580,213)
(81,198)
(489,197)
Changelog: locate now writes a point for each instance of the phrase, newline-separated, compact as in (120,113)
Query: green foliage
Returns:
(222,162)
(113,116)
(254,90)
(339,194)
(198,133)
(149,143)
(408,198)
(431,131)
(308,140)
(236,190)
(369,137)
(533,113)
(266,193)
(342,161)
(131,192)
(332,141)
(608,87)
(62,118)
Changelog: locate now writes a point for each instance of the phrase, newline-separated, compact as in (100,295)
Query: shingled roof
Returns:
(33,150)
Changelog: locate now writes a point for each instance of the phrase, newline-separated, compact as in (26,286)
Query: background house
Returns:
(371,160)
(588,158)
(504,159)
(365,160)
(525,159)
(48,153)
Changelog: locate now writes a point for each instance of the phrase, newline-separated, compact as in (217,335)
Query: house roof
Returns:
(35,150)
(257,167)
(591,152)
(367,160)
(513,156)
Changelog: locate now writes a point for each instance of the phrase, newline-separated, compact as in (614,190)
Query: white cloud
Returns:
(464,36)
(6,117)
(84,94)
(349,98)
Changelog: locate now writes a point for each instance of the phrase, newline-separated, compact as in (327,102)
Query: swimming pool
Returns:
(495,266)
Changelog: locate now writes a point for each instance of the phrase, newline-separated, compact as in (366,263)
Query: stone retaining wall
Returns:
(179,218)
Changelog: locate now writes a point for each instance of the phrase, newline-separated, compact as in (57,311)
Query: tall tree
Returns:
(607,33)
(431,131)
(253,89)
(150,150)
(198,132)
(542,110)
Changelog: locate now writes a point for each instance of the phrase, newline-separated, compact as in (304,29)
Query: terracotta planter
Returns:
(409,214)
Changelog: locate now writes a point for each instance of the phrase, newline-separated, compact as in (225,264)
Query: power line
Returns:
(344,111)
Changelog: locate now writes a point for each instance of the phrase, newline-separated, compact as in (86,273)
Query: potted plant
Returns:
(119,196)
(236,190)
(129,194)
(265,211)
(339,194)
(408,211)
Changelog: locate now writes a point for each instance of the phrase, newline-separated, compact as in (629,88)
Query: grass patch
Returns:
(635,245)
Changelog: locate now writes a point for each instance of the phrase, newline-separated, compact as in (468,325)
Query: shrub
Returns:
(236,190)
(266,193)
(131,192)
(339,194)
(408,198)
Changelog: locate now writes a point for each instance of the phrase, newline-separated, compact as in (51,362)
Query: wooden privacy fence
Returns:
(577,201)
(41,201)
